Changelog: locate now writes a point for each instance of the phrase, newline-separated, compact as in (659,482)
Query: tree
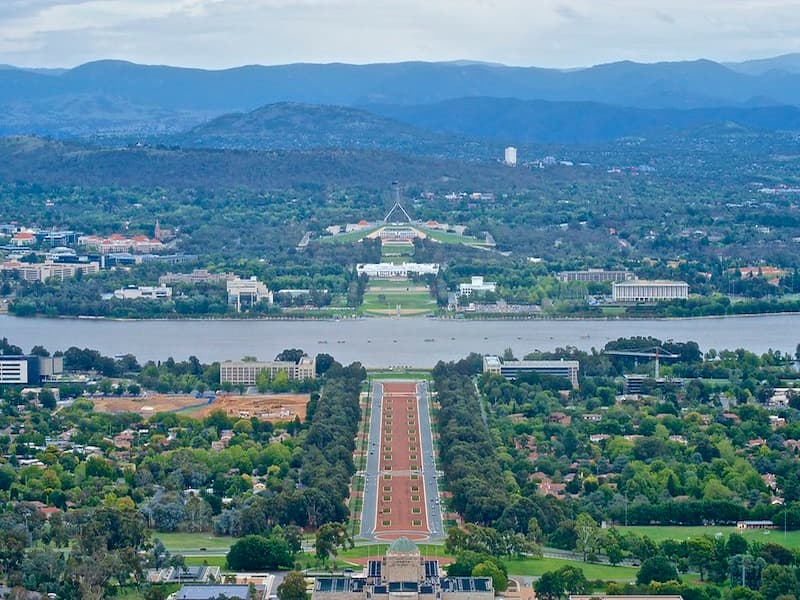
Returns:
(293,587)
(331,537)
(290,355)
(778,580)
(700,550)
(255,552)
(555,585)
(587,535)
(490,569)
(658,568)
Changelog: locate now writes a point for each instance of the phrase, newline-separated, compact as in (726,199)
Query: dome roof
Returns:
(402,545)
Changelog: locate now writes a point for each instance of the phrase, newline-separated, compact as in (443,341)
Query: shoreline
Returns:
(88,318)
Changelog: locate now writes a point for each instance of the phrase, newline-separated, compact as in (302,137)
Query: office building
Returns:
(144,292)
(476,285)
(511,369)
(196,276)
(595,276)
(247,292)
(391,270)
(246,372)
(44,271)
(639,290)
(510,156)
(402,574)
(29,370)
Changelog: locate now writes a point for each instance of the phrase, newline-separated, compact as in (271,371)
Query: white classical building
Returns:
(145,292)
(476,285)
(639,290)
(247,292)
(390,270)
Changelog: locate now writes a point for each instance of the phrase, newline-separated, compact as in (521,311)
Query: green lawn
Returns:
(347,238)
(184,543)
(385,302)
(657,534)
(451,238)
(404,374)
(378,550)
(211,561)
(532,567)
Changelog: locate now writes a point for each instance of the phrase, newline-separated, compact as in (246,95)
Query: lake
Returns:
(380,342)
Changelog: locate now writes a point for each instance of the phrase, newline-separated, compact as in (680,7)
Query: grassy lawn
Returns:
(182,543)
(536,566)
(378,550)
(211,561)
(612,311)
(776,536)
(348,238)
(404,374)
(386,301)
(451,238)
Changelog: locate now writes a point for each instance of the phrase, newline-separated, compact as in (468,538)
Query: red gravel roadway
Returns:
(402,509)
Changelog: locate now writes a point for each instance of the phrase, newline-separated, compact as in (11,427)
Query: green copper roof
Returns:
(403,545)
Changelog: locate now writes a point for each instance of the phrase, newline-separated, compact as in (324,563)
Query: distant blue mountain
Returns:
(116,97)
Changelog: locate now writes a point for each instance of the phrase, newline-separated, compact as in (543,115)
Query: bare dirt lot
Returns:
(145,405)
(267,407)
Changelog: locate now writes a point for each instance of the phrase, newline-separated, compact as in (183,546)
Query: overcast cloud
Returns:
(550,33)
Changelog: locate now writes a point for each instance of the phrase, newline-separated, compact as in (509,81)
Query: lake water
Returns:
(385,341)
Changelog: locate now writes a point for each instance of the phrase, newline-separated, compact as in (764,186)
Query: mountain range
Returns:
(412,105)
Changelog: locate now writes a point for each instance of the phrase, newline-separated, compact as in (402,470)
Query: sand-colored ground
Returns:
(266,407)
(145,405)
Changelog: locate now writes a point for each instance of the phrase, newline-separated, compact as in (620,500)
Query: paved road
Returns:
(431,482)
(372,470)
(369,503)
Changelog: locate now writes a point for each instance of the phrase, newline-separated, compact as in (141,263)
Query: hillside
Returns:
(163,98)
(537,121)
(293,126)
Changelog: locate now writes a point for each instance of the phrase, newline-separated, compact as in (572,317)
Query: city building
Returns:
(402,573)
(511,369)
(476,285)
(144,292)
(28,370)
(247,292)
(390,270)
(595,275)
(44,271)
(196,276)
(510,156)
(246,372)
(639,290)
(755,525)
(115,243)
(216,591)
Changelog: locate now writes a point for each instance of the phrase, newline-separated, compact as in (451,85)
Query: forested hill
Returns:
(292,125)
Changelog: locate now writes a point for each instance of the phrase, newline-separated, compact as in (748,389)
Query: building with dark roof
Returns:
(402,572)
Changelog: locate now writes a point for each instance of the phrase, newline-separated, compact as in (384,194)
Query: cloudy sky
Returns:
(551,33)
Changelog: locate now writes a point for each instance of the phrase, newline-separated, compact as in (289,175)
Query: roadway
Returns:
(369,504)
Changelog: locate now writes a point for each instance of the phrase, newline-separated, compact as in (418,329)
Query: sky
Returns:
(548,33)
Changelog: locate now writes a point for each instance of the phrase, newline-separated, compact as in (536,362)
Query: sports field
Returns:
(658,534)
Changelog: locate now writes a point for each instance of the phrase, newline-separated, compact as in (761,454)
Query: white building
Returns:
(247,292)
(510,158)
(511,369)
(389,270)
(144,292)
(44,271)
(639,290)
(245,373)
(476,285)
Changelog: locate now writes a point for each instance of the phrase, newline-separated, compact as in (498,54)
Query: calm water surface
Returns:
(418,342)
